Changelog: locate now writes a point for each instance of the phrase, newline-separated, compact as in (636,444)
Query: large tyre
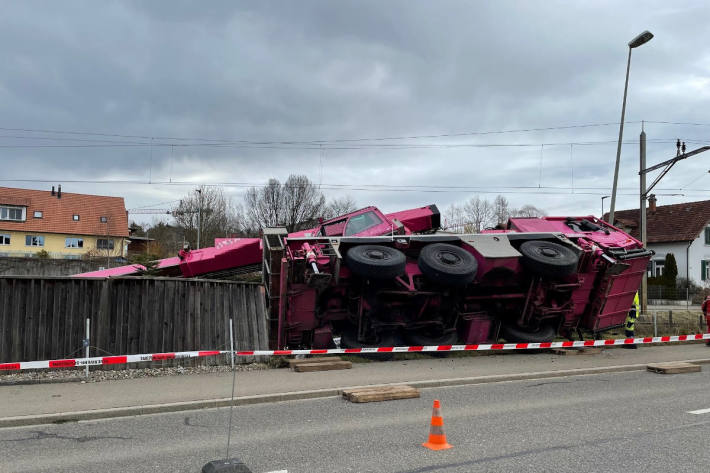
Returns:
(376,261)
(548,259)
(514,334)
(424,338)
(447,264)
(348,339)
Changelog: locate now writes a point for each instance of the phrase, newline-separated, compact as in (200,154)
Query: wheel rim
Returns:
(376,255)
(448,258)
(548,252)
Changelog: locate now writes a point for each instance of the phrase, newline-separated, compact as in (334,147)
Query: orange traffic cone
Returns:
(437,438)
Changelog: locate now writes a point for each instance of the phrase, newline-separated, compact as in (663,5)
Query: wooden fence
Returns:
(44,317)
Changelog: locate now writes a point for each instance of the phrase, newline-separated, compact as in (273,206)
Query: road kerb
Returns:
(130,411)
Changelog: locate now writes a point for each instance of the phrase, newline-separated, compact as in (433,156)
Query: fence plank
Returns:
(44,317)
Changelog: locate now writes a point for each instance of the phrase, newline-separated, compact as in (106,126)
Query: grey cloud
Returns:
(326,70)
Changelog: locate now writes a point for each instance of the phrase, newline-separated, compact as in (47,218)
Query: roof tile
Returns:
(57,213)
(677,222)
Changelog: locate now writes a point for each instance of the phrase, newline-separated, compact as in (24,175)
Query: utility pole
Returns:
(644,192)
(108,251)
(642,215)
(199,217)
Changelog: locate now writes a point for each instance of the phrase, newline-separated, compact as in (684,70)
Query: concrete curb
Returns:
(22,382)
(76,416)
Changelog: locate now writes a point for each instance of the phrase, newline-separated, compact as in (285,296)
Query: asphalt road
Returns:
(624,422)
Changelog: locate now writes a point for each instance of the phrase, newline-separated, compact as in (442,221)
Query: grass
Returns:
(679,323)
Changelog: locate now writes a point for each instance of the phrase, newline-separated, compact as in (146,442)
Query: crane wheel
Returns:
(447,264)
(376,261)
(348,339)
(548,259)
(424,338)
(515,334)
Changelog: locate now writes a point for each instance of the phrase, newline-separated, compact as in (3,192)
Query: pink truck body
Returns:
(374,279)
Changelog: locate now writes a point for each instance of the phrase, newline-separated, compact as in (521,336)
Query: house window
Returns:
(34,240)
(104,219)
(104,244)
(74,243)
(707,235)
(12,213)
(75,217)
(655,268)
(4,239)
(705,270)
(38,214)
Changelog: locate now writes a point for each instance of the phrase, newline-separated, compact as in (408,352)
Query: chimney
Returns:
(53,190)
(59,192)
(652,203)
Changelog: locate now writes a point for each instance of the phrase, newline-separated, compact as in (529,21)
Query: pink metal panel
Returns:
(128,269)
(475,328)
(417,220)
(228,254)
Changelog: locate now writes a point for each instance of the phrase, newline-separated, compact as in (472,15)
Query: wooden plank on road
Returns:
(323,366)
(380,393)
(316,359)
(673,367)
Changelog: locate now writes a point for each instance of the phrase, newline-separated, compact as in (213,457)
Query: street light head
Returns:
(643,38)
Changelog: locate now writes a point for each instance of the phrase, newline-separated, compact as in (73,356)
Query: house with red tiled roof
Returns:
(61,224)
(681,229)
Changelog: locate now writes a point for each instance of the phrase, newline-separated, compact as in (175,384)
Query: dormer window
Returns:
(75,217)
(38,214)
(16,214)
(104,219)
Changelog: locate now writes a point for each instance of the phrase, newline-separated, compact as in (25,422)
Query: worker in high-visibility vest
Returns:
(706,308)
(630,324)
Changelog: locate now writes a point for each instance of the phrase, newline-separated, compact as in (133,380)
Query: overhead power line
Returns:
(554,190)
(351,147)
(314,141)
(326,141)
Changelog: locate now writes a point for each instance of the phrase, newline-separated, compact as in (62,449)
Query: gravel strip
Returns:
(98,375)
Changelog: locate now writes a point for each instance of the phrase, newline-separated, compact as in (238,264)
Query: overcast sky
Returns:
(218,92)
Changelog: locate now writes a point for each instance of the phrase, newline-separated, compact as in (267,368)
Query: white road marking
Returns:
(700,411)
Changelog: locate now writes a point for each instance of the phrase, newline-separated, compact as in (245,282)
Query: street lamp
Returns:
(643,38)
(603,197)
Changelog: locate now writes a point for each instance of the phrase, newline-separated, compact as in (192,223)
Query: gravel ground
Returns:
(97,375)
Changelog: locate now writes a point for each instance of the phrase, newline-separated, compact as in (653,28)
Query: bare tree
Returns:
(291,204)
(479,213)
(456,220)
(527,211)
(501,210)
(207,211)
(339,206)
(303,201)
(264,205)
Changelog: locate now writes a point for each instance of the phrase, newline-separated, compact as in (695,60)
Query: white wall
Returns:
(697,252)
(678,249)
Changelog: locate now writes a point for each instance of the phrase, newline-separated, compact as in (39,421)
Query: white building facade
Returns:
(680,229)
(692,258)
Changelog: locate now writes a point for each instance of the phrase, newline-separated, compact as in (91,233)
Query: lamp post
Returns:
(199,217)
(634,43)
(603,197)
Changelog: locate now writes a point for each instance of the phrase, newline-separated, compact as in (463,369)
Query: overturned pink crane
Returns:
(377,279)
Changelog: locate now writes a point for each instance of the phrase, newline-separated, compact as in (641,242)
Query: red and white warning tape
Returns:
(122,359)
(104,360)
